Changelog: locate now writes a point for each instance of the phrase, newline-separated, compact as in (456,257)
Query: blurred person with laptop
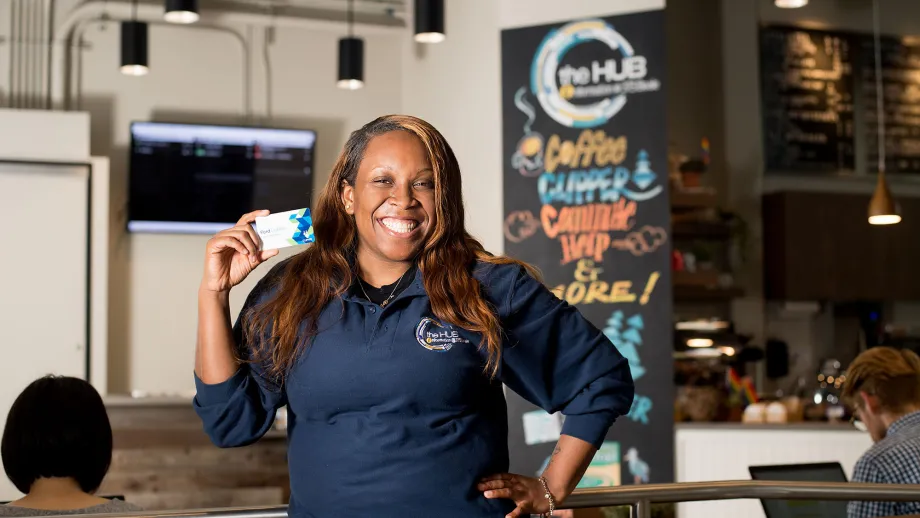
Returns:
(883,388)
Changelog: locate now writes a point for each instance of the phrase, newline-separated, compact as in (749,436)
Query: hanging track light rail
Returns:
(61,78)
(397,8)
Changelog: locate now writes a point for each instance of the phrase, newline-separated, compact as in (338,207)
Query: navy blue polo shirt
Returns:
(390,412)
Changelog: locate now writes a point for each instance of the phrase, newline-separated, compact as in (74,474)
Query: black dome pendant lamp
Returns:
(134,45)
(351,56)
(181,11)
(429,21)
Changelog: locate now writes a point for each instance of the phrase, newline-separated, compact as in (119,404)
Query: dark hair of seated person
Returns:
(57,428)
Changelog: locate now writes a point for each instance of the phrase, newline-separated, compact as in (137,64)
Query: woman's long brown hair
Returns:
(315,277)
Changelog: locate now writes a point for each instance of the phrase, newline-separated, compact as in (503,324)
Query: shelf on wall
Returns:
(702,285)
(693,217)
(701,230)
(691,293)
(689,200)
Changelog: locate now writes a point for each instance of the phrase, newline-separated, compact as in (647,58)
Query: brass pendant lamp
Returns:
(882,208)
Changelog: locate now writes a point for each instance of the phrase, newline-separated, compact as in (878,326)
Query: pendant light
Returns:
(351,56)
(429,21)
(134,45)
(882,208)
(181,11)
(790,4)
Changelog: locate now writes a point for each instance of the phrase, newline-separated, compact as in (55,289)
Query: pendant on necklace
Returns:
(384,303)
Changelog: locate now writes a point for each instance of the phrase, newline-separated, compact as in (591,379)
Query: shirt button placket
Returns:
(370,323)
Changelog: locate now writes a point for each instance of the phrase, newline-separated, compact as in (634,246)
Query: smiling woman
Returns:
(389,340)
(392,199)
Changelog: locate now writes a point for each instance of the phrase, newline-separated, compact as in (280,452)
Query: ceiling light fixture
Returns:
(882,208)
(429,21)
(134,45)
(699,342)
(351,56)
(181,11)
(790,4)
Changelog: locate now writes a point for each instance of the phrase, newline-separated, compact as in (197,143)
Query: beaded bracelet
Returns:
(549,497)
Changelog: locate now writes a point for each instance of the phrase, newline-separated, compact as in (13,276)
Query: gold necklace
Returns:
(392,293)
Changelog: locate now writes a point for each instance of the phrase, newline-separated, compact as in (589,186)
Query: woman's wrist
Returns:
(558,491)
(548,496)
(208,295)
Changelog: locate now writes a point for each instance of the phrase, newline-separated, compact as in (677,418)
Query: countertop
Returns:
(797,426)
(125,400)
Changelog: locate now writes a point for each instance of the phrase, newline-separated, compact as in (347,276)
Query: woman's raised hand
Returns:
(233,253)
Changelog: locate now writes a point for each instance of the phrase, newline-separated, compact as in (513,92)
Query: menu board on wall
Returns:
(807,99)
(901,87)
(585,201)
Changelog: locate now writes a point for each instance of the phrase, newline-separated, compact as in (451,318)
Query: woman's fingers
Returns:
(223,242)
(524,491)
(265,255)
(500,493)
(252,233)
(494,484)
(245,238)
(248,218)
(498,476)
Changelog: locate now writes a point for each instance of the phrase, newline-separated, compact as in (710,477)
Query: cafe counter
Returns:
(724,451)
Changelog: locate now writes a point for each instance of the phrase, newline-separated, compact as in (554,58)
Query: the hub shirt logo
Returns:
(436,337)
(586,92)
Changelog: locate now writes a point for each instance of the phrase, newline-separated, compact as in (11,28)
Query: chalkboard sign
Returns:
(586,201)
(901,86)
(807,99)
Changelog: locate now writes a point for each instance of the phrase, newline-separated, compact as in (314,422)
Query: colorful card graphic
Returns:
(283,229)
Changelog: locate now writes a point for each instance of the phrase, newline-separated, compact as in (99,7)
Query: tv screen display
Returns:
(199,179)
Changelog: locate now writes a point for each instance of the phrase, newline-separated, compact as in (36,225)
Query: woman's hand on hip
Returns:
(232,254)
(526,492)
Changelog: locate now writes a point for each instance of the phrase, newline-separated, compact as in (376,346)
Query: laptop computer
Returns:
(816,472)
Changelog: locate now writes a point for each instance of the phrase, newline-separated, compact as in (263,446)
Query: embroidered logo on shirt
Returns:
(437,337)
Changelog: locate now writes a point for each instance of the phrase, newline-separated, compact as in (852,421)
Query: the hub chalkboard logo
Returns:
(587,92)
(436,337)
(586,201)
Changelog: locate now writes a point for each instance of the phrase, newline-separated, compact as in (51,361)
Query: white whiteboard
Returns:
(43,278)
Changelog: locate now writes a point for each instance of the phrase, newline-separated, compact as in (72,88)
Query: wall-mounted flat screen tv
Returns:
(199,179)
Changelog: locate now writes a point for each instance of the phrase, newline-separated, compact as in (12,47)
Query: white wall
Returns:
(525,13)
(197,76)
(25,134)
